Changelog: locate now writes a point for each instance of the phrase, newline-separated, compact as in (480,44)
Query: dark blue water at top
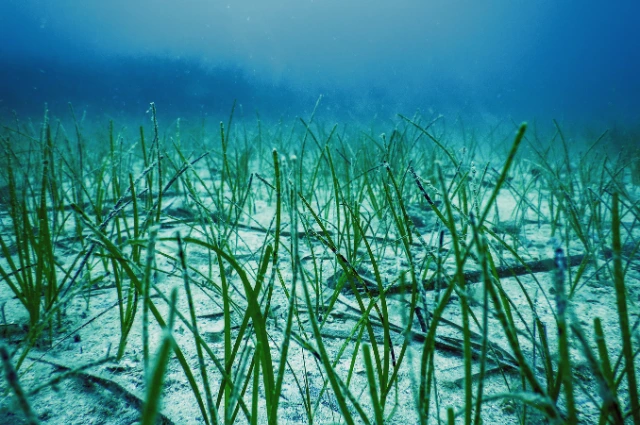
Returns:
(569,60)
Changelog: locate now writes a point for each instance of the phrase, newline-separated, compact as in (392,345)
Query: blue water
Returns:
(574,61)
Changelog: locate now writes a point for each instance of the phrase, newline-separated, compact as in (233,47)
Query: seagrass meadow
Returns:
(304,271)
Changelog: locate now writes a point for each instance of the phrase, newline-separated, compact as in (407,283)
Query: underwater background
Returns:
(389,212)
(574,61)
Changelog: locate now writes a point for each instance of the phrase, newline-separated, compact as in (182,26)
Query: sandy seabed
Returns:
(88,328)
